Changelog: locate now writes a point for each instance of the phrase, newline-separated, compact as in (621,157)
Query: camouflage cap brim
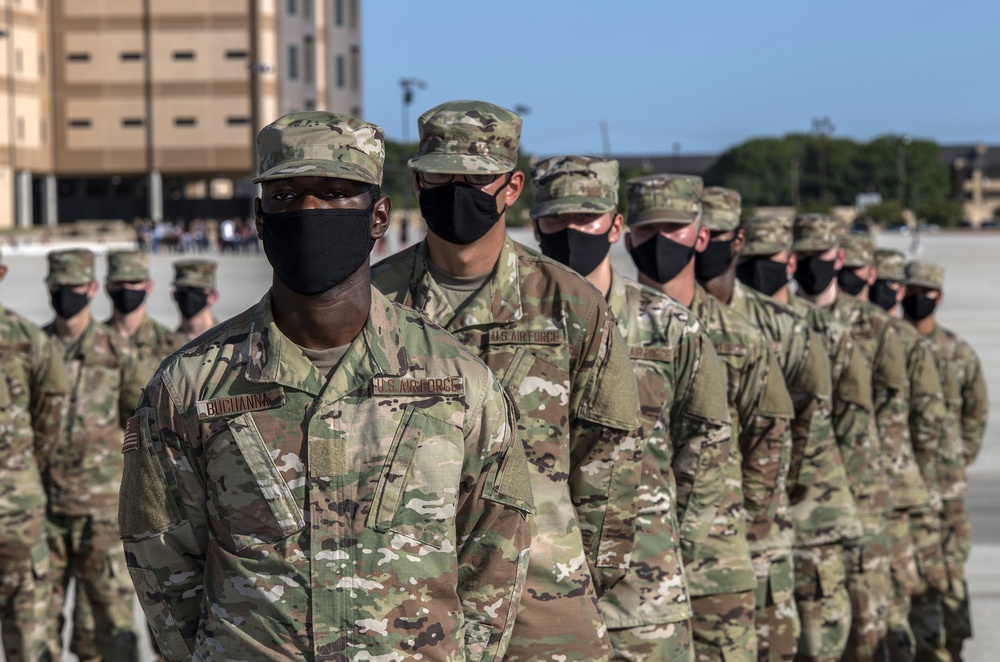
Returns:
(918,281)
(572,205)
(755,248)
(319,168)
(461,164)
(810,244)
(66,280)
(652,216)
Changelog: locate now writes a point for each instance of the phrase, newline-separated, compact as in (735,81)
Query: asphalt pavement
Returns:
(971,308)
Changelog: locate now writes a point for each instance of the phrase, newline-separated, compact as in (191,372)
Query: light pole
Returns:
(901,168)
(409,85)
(822,127)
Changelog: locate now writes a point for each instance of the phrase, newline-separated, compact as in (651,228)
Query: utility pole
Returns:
(901,169)
(409,85)
(822,127)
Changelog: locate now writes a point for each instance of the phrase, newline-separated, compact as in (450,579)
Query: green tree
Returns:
(887,213)
(946,213)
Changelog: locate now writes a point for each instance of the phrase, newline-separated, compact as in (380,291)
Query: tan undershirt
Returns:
(326,360)
(457,290)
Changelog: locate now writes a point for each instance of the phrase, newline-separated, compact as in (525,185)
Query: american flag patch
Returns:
(131,441)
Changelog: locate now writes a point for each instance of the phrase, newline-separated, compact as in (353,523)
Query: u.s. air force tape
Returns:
(526,337)
(234,405)
(418,386)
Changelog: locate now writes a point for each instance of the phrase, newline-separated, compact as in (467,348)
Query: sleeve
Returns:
(133,380)
(975,407)
(927,417)
(852,412)
(605,447)
(49,390)
(701,434)
(809,386)
(162,520)
(494,534)
(890,396)
(766,447)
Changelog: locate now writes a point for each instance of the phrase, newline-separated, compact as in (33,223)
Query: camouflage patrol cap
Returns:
(767,235)
(815,232)
(320,144)
(924,274)
(721,208)
(467,138)
(859,250)
(195,273)
(125,266)
(70,267)
(574,185)
(663,199)
(890,264)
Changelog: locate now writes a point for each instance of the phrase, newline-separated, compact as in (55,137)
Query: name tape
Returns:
(240,404)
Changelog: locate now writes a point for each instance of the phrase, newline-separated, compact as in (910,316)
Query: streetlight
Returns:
(409,85)
(521,109)
(901,168)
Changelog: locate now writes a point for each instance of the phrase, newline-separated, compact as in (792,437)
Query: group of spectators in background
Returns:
(230,235)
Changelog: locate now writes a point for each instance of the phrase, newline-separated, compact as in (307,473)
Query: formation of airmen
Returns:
(473,450)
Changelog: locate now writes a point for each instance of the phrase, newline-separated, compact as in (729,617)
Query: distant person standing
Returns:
(85,471)
(33,388)
(128,285)
(195,294)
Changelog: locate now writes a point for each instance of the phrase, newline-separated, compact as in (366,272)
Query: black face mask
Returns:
(814,275)
(66,302)
(190,301)
(313,250)
(458,212)
(579,251)
(918,306)
(764,275)
(850,282)
(882,295)
(661,259)
(714,260)
(126,301)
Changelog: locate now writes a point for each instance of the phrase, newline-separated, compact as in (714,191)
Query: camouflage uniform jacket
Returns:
(32,395)
(271,513)
(853,426)
(822,506)
(86,469)
(873,333)
(913,477)
(546,333)
(761,411)
(685,419)
(961,378)
(152,343)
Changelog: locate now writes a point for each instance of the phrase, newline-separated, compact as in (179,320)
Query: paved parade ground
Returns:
(971,308)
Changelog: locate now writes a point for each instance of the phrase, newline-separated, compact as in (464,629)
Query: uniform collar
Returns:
(270,357)
(497,302)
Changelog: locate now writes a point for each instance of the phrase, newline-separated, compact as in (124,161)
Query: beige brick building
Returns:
(124,108)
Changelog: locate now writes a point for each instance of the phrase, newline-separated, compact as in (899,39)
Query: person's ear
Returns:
(793,262)
(514,188)
(739,241)
(617,228)
(380,217)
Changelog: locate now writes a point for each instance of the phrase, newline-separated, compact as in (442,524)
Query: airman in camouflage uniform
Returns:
(195,293)
(772,534)
(351,487)
(819,256)
(721,575)
(85,471)
(128,284)
(820,570)
(822,507)
(912,524)
(549,337)
(32,395)
(967,405)
(684,410)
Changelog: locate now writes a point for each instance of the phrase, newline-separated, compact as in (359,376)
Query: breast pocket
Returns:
(247,492)
(541,390)
(417,491)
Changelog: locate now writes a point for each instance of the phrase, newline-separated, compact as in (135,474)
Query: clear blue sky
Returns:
(707,74)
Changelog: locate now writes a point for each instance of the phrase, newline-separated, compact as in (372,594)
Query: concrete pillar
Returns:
(50,200)
(25,201)
(155,199)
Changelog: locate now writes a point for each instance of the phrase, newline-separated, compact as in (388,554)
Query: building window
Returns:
(293,62)
(43,131)
(132,122)
(338,12)
(20,128)
(183,55)
(340,71)
(236,55)
(310,104)
(237,121)
(355,111)
(79,124)
(130,56)
(291,6)
(41,64)
(352,19)
(78,57)
(308,58)
(184,121)
(19,60)
(307,8)
(355,68)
